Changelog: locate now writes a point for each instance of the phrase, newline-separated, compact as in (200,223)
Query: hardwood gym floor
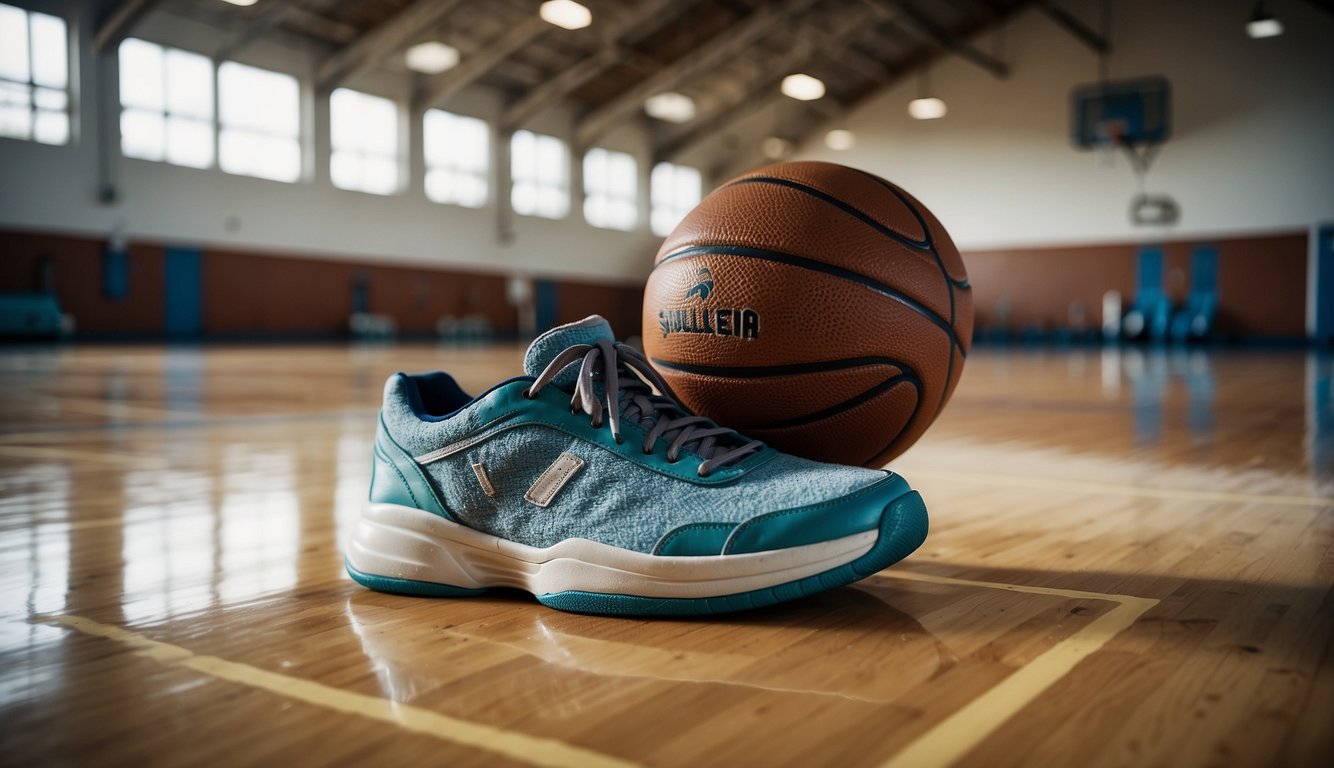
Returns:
(1130,564)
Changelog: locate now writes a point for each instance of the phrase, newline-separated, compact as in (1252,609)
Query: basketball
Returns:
(813,306)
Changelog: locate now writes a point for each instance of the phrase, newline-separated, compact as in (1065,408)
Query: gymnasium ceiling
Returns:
(729,56)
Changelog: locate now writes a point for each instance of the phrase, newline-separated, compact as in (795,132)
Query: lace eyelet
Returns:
(619,441)
(676,460)
(702,473)
(529,395)
(647,452)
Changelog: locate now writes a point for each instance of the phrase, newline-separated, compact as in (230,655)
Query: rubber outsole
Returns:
(903,528)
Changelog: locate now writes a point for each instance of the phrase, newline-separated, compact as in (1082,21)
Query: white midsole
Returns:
(401,542)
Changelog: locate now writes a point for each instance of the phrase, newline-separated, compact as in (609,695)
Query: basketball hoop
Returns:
(1130,115)
(1111,135)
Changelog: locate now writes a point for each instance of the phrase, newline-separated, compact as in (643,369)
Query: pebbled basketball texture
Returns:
(813,306)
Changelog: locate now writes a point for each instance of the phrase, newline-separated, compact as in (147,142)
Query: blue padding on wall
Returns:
(1324,284)
(1204,269)
(115,273)
(1149,269)
(1195,321)
(544,299)
(184,299)
(1151,302)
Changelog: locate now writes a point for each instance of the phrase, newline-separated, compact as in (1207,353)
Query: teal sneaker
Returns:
(579,484)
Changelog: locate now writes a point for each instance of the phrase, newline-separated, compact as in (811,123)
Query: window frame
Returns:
(364,153)
(599,188)
(533,175)
(166,112)
(674,207)
(31,85)
(298,135)
(452,166)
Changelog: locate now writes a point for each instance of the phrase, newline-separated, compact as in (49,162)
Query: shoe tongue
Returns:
(546,347)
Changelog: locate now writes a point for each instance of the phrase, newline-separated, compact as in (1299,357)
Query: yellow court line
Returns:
(956,735)
(529,749)
(1074,486)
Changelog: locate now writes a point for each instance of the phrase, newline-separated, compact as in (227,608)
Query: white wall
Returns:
(55,188)
(1253,129)
(1252,152)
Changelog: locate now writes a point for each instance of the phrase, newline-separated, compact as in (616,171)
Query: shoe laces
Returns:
(658,412)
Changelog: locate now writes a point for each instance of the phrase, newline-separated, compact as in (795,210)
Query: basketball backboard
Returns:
(1121,113)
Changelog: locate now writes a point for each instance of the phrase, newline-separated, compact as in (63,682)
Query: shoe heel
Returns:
(402,550)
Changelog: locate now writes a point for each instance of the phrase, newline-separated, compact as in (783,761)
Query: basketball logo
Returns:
(703,287)
(693,317)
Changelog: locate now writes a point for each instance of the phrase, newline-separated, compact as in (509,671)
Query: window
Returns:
(610,200)
(166,99)
(456,158)
(676,191)
(260,119)
(34,76)
(541,171)
(364,133)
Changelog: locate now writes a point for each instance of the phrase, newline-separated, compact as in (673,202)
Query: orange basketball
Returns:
(815,307)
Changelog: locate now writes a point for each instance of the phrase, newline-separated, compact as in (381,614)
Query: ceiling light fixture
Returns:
(432,57)
(671,106)
(566,14)
(929,108)
(840,139)
(925,107)
(802,87)
(242,3)
(1263,23)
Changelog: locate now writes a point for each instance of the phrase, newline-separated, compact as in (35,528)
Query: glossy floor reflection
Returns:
(1129,564)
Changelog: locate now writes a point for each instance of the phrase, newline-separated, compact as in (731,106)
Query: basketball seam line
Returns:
(761,371)
(944,273)
(763,254)
(847,405)
(848,208)
(764,371)
(917,408)
(921,222)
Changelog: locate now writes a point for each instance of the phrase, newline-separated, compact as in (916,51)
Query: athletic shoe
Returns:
(579,484)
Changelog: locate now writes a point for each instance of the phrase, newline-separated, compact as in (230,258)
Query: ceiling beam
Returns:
(813,42)
(551,92)
(1325,5)
(485,59)
(270,16)
(612,50)
(118,22)
(702,59)
(381,41)
(807,124)
(1072,24)
(759,99)
(800,125)
(944,38)
(837,47)
(868,67)
(327,30)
